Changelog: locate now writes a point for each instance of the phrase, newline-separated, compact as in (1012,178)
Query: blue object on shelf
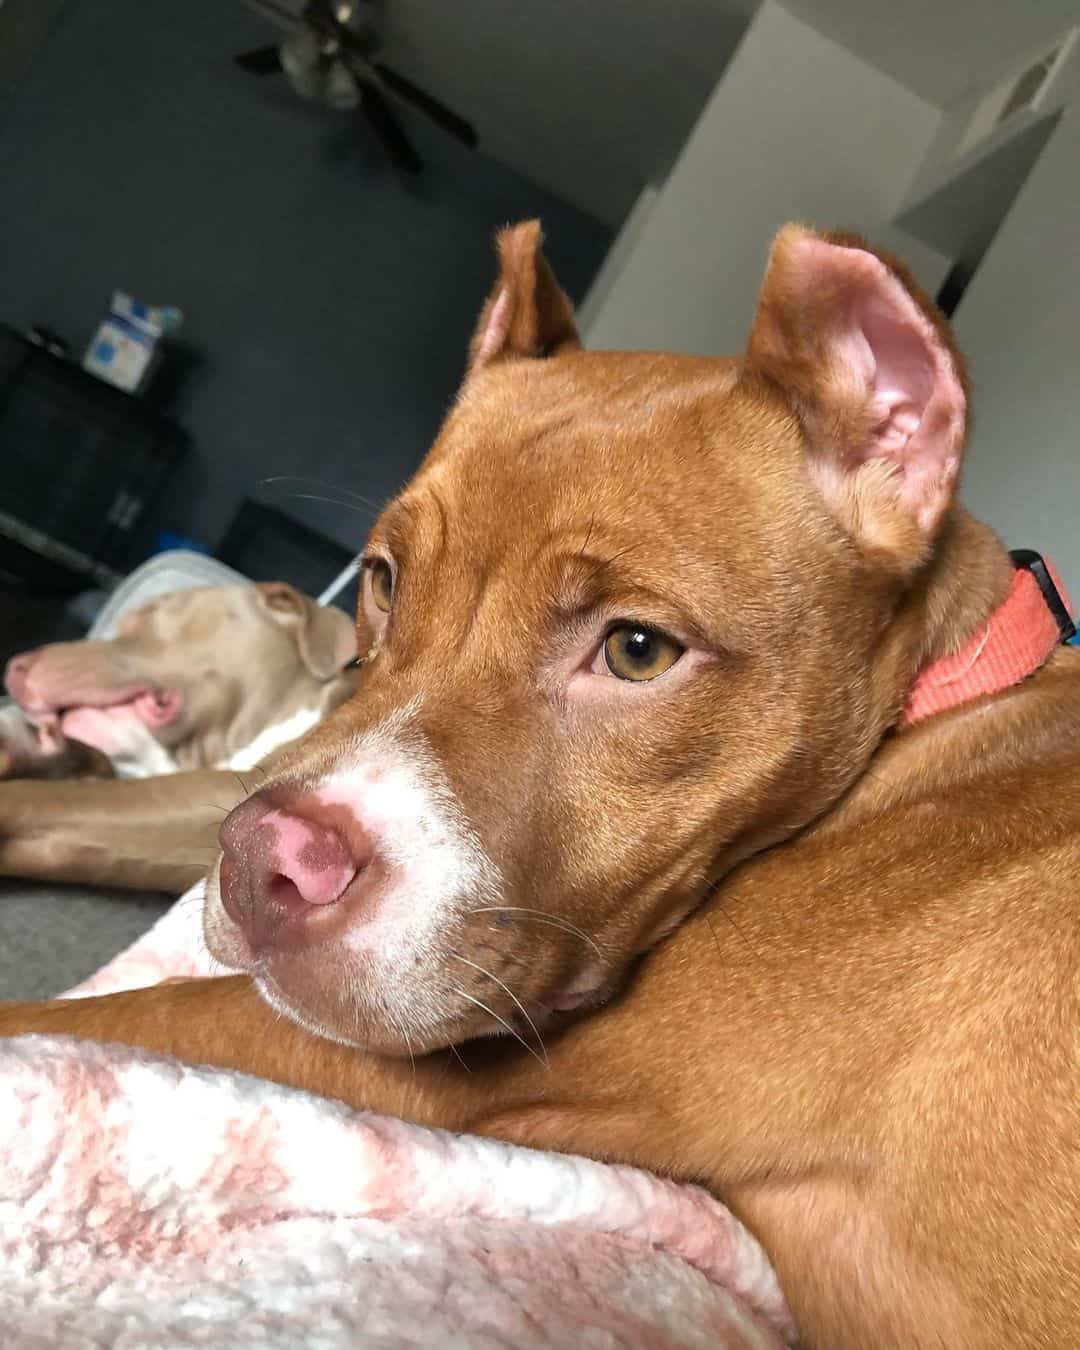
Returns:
(168,540)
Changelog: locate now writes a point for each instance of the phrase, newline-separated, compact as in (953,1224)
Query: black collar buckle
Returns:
(1034,563)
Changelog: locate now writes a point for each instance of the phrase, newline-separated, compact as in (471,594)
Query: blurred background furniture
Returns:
(268,545)
(80,463)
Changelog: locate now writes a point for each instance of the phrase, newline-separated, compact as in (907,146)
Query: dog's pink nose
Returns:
(311,856)
(279,868)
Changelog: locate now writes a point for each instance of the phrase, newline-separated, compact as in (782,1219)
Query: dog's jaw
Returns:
(391,937)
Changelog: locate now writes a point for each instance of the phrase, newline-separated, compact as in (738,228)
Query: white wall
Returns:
(618,255)
(939,47)
(798,128)
(588,98)
(947,155)
(1019,323)
(977,165)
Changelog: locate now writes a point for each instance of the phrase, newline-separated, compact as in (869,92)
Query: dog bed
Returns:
(147,1203)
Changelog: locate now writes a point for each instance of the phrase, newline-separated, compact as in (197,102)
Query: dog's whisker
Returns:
(506,988)
(542,917)
(502,1022)
(341,492)
(399,1026)
(457,1055)
(331,501)
(260,769)
(745,940)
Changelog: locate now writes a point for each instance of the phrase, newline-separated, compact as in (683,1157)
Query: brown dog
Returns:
(625,774)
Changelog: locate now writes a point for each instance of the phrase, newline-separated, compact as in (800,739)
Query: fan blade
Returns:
(389,130)
(438,112)
(262,61)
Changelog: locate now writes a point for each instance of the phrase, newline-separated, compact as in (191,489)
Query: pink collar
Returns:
(1014,643)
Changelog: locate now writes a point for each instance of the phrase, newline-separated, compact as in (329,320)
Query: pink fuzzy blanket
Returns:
(148,1203)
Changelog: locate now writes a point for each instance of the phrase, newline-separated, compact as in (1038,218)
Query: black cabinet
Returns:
(80,464)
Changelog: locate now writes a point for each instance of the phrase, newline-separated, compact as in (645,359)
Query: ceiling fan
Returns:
(328,55)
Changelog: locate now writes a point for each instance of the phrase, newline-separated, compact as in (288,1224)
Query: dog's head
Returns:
(636,617)
(189,678)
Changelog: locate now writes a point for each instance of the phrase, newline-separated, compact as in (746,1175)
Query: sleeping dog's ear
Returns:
(325,637)
(868,365)
(527,314)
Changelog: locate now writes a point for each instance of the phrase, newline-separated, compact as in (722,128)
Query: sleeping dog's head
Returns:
(188,681)
(636,617)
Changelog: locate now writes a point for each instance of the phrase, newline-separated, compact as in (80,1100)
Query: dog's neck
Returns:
(964,583)
(970,576)
(250,736)
(988,625)
(963,587)
(1017,640)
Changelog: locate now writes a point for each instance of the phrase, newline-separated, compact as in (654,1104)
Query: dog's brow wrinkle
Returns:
(403,522)
(554,424)
(443,514)
(588,537)
(584,582)
(601,567)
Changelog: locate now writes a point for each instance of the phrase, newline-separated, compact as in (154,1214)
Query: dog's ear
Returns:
(325,636)
(868,365)
(527,313)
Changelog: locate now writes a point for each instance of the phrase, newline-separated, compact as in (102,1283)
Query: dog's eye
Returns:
(634,652)
(382,584)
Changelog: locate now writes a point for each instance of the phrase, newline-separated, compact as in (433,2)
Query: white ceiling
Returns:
(593,98)
(940,48)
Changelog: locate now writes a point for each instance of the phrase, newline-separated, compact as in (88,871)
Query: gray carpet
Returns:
(51,937)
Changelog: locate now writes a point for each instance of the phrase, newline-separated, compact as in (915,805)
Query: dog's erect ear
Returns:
(527,314)
(325,636)
(868,365)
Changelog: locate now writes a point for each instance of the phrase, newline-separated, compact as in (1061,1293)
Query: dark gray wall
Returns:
(332,304)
